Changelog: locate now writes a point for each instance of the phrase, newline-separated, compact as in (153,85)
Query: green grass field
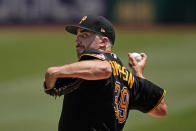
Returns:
(25,54)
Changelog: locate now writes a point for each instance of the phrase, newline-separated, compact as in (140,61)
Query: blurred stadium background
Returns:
(32,38)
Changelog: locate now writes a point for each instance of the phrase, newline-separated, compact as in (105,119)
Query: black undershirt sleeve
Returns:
(145,95)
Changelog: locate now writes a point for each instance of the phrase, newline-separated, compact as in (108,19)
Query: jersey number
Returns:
(121,102)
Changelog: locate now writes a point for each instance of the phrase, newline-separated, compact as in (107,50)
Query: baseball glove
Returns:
(63,86)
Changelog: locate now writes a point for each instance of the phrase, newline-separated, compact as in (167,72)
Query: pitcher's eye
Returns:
(84,35)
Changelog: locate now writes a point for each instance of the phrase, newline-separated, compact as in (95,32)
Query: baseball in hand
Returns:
(137,56)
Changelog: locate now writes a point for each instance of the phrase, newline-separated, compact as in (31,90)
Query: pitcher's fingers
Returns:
(132,60)
(144,56)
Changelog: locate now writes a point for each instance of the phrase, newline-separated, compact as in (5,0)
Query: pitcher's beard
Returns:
(80,50)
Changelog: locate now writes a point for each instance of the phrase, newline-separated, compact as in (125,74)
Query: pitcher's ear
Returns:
(105,40)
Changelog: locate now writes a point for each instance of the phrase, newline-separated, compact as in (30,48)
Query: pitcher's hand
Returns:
(137,67)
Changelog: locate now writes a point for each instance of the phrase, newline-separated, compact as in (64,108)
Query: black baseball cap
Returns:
(97,24)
